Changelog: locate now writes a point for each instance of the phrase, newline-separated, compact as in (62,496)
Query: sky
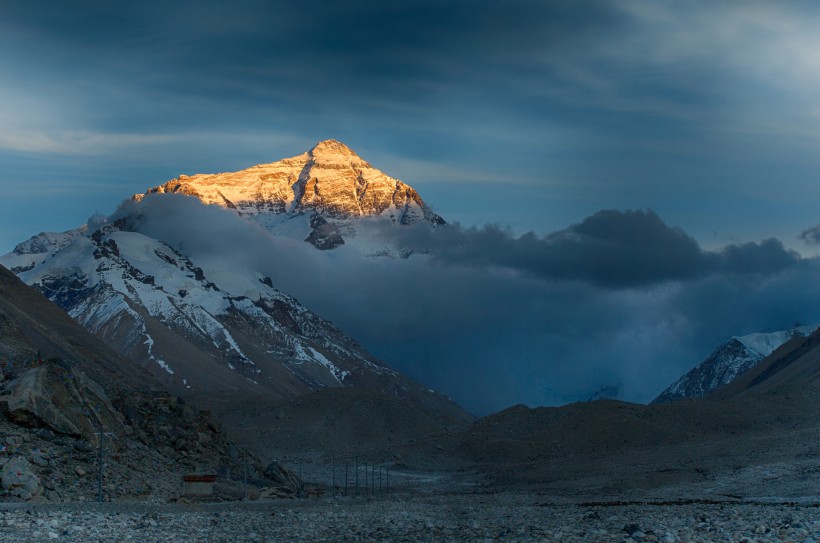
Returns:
(527,114)
(699,121)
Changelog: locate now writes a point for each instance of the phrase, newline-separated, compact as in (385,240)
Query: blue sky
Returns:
(527,114)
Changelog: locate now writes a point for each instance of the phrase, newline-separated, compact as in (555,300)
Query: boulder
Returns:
(62,399)
(282,478)
(19,479)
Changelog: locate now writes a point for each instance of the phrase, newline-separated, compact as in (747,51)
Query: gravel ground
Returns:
(417,519)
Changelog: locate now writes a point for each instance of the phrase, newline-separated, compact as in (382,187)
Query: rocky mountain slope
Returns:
(33,329)
(727,362)
(203,329)
(315,196)
(60,387)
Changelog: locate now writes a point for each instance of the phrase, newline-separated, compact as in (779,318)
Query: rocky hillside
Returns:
(32,328)
(61,388)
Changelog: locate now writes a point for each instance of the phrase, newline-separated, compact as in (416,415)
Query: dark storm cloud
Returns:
(611,248)
(290,64)
(505,327)
(368,47)
(765,258)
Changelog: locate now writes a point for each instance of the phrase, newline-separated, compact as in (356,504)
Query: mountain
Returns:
(60,385)
(203,329)
(794,365)
(315,196)
(34,329)
(727,362)
(34,250)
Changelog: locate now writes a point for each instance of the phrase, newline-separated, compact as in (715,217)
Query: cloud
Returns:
(811,236)
(508,324)
(583,75)
(77,143)
(612,248)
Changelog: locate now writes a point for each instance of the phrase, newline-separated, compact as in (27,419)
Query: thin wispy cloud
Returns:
(78,143)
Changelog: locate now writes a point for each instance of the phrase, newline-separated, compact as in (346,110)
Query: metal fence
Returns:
(344,476)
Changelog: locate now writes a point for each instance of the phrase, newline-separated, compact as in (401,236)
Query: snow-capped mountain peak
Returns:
(728,361)
(332,149)
(316,196)
(765,343)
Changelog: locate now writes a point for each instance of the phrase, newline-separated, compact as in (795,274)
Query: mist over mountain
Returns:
(620,301)
(493,328)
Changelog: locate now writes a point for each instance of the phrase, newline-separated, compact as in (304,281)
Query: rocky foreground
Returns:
(394,518)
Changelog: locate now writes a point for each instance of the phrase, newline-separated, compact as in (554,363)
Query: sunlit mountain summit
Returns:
(315,196)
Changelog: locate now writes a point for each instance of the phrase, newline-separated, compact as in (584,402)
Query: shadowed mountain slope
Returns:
(32,329)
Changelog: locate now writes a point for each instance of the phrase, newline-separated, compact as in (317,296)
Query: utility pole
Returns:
(245,473)
(100,468)
(88,410)
(100,462)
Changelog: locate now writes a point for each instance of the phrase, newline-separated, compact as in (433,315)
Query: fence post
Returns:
(245,473)
(100,467)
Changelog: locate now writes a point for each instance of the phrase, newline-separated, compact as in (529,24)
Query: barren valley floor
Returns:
(403,518)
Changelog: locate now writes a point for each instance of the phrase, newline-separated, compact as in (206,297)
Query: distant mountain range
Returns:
(203,330)
(727,362)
